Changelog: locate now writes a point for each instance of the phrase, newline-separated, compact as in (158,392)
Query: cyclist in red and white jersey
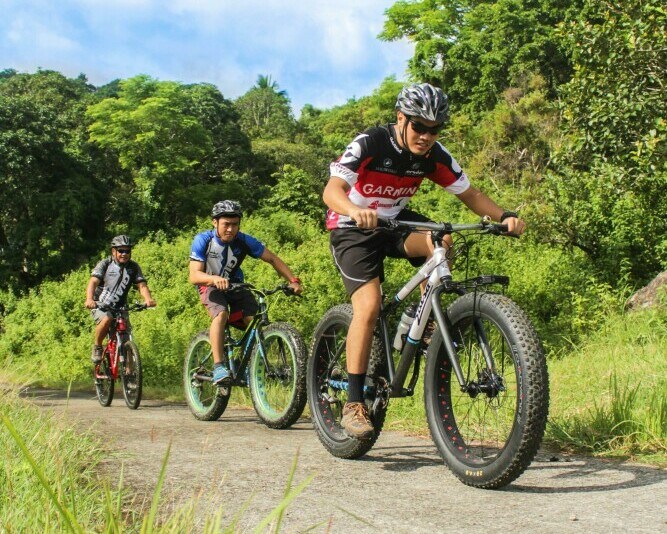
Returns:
(375,177)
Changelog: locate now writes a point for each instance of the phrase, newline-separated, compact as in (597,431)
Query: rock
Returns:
(649,296)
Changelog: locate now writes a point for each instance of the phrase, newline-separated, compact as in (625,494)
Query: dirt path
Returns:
(400,486)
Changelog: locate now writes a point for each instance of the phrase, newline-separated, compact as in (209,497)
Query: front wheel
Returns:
(488,432)
(278,375)
(327,384)
(131,375)
(206,401)
(104,381)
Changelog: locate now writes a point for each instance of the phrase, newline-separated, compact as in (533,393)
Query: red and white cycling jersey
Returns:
(383,176)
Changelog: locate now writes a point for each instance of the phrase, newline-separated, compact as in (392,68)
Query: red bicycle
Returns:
(120,357)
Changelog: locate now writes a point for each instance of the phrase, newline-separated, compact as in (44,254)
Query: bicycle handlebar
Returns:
(282,287)
(485,225)
(128,307)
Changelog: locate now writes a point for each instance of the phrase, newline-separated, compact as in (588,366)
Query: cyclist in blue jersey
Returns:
(380,170)
(110,282)
(215,262)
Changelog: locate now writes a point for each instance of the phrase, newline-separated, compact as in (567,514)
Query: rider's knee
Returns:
(221,318)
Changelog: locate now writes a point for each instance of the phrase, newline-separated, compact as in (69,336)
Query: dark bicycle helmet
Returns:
(226,208)
(425,101)
(121,241)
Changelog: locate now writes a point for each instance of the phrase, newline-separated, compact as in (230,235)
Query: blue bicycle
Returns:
(269,358)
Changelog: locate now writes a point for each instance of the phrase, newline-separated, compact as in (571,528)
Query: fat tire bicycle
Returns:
(269,358)
(486,388)
(120,359)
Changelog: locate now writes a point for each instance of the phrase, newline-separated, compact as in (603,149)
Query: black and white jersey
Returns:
(116,281)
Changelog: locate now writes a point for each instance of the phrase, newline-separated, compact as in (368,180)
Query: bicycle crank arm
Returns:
(203,378)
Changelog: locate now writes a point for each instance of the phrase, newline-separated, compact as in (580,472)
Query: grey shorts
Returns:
(238,303)
(98,315)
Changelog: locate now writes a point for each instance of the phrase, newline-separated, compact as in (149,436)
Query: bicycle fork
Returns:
(489,382)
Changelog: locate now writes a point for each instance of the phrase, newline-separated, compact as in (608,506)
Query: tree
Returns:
(265,111)
(50,195)
(156,141)
(477,49)
(296,191)
(335,127)
(608,191)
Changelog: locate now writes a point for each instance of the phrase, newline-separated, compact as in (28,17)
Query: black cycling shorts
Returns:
(359,253)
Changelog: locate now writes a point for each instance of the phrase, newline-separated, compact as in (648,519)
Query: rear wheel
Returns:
(104,382)
(278,375)
(206,401)
(488,434)
(131,375)
(327,384)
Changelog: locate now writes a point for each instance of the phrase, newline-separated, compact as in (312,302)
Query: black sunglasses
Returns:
(123,250)
(421,128)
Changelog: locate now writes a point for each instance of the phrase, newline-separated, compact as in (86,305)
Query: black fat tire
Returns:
(206,401)
(104,387)
(132,381)
(328,344)
(279,393)
(488,442)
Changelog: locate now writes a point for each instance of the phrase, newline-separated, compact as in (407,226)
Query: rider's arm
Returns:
(199,277)
(146,294)
(335,197)
(282,269)
(90,292)
(482,205)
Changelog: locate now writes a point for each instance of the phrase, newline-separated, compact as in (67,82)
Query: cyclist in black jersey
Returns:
(110,282)
(376,176)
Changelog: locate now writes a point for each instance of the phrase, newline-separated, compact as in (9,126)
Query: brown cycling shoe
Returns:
(356,420)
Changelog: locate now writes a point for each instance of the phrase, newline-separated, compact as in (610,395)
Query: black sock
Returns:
(355,387)
(216,365)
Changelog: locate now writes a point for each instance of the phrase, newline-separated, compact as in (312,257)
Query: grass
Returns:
(47,484)
(609,395)
(48,474)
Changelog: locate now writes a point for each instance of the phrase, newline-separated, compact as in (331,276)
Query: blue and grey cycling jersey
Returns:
(224,259)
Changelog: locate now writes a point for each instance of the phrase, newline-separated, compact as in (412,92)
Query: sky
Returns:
(322,52)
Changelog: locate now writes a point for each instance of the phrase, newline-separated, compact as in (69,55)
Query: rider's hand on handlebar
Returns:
(296,287)
(365,218)
(150,303)
(220,282)
(90,304)
(515,226)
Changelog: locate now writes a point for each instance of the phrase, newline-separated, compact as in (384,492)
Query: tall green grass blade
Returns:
(277,512)
(288,488)
(149,522)
(69,519)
